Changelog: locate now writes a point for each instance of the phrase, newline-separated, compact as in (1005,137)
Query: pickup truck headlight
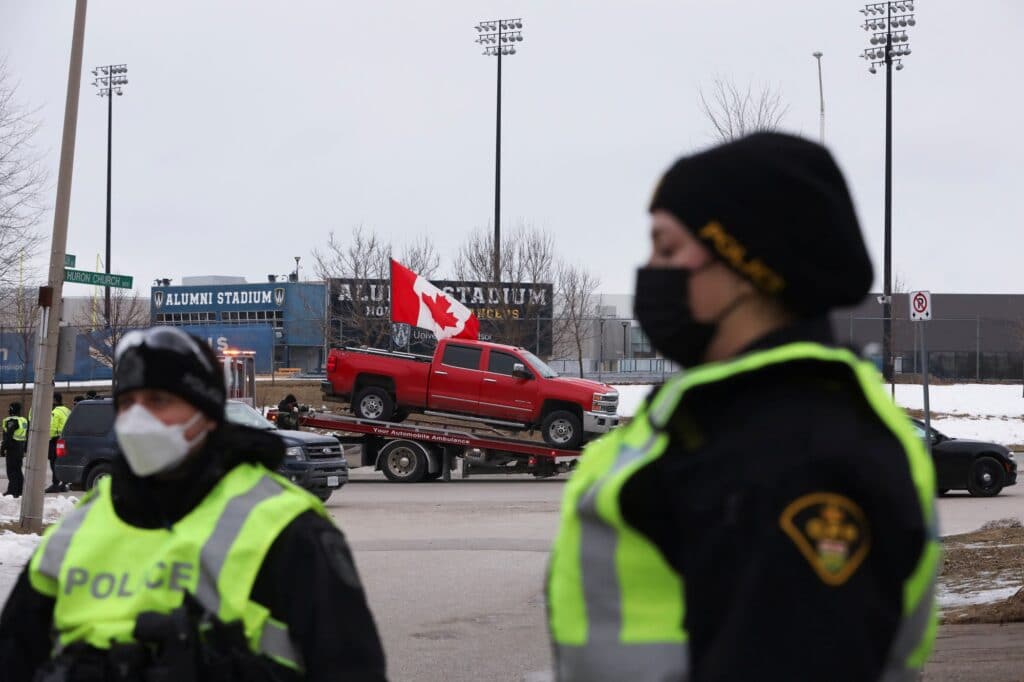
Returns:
(605,402)
(295,452)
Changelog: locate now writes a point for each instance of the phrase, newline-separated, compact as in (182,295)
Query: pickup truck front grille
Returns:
(325,451)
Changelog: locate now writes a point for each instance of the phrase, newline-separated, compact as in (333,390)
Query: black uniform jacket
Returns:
(789,510)
(308,579)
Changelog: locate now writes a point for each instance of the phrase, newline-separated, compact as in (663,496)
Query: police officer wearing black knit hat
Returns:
(768,514)
(194,560)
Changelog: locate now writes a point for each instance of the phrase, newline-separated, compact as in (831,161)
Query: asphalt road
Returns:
(454,573)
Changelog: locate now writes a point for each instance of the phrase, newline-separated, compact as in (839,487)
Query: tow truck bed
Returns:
(408,453)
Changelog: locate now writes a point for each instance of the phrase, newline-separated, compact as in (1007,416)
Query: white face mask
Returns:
(149,445)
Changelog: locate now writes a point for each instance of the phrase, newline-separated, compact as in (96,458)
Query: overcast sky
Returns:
(249,130)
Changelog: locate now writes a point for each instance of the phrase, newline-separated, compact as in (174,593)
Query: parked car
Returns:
(502,385)
(981,468)
(87,446)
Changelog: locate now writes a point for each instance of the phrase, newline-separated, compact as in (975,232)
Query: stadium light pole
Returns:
(887,23)
(498,38)
(109,81)
(821,96)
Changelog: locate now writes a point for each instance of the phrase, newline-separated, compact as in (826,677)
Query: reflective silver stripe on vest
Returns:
(59,543)
(912,630)
(604,656)
(275,642)
(215,552)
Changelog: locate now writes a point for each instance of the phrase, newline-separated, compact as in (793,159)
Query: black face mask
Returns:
(662,306)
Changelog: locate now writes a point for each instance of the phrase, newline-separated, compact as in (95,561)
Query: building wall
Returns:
(295,311)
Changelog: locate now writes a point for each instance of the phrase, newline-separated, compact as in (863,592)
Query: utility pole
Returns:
(50,295)
(821,96)
(109,84)
(499,37)
(889,40)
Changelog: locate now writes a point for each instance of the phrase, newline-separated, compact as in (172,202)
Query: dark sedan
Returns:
(87,445)
(983,469)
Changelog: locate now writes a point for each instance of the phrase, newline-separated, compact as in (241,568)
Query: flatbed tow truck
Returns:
(412,452)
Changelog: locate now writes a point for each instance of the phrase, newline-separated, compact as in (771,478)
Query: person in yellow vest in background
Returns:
(769,513)
(193,560)
(58,418)
(15,434)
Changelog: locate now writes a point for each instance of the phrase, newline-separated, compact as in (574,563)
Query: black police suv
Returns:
(87,445)
(983,469)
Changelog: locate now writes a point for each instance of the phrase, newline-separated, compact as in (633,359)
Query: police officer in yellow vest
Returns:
(15,433)
(58,418)
(768,514)
(193,561)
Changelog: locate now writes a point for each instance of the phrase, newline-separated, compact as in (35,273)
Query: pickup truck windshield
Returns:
(243,415)
(538,364)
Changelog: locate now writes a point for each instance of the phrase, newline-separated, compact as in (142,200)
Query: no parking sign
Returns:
(920,306)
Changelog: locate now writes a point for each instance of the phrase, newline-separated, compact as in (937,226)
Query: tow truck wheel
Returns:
(563,430)
(403,462)
(375,403)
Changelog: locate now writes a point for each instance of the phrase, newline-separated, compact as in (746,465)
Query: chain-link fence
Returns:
(612,349)
(959,348)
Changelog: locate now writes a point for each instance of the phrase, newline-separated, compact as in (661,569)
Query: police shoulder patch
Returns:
(831,532)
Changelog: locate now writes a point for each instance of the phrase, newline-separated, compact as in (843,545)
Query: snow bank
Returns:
(54,507)
(1002,430)
(630,397)
(967,399)
(989,412)
(15,551)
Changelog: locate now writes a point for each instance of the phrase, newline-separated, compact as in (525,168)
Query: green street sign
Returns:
(69,260)
(97,279)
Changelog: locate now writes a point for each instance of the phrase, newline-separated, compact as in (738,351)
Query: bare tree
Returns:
(19,316)
(421,257)
(735,111)
(527,257)
(576,289)
(22,183)
(128,310)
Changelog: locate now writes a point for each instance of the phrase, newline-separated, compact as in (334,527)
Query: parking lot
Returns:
(455,575)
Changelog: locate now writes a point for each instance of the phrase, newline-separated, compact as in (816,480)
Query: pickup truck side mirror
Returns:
(519,371)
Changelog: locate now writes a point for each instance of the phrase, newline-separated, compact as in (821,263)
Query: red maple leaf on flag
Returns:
(439,308)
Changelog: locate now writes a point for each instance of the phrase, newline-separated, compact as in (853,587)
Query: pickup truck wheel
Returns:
(375,403)
(563,430)
(986,477)
(403,463)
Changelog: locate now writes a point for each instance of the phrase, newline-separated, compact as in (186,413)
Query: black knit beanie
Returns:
(189,370)
(776,209)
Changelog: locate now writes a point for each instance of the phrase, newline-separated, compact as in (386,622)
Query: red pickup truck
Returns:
(488,382)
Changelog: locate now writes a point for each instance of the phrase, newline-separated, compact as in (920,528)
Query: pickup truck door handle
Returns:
(444,374)
(491,381)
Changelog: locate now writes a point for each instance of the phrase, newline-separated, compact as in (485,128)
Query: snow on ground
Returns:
(996,429)
(16,548)
(15,551)
(630,397)
(983,411)
(948,599)
(995,400)
(54,507)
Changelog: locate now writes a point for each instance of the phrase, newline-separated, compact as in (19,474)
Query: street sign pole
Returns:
(921,311)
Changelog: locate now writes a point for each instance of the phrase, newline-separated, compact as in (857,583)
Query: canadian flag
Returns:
(416,301)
